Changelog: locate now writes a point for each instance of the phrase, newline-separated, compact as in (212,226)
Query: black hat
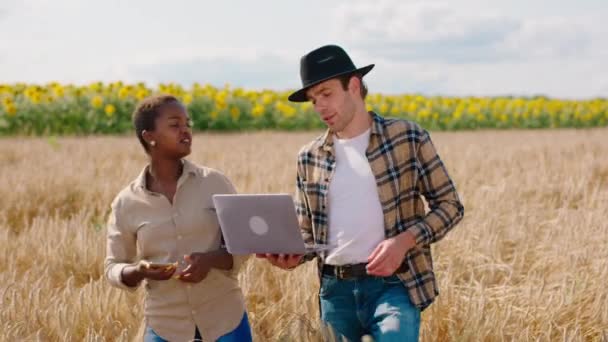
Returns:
(323,64)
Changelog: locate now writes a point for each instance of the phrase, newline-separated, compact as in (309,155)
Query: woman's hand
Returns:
(156,273)
(133,274)
(198,266)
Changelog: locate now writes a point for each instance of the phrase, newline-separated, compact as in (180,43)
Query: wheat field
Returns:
(528,262)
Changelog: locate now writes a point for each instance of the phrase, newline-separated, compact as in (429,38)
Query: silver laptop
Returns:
(265,223)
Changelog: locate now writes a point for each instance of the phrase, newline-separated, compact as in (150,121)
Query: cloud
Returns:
(8,7)
(471,49)
(552,78)
(279,70)
(548,38)
(435,31)
(457,48)
(415,31)
(3,13)
(262,71)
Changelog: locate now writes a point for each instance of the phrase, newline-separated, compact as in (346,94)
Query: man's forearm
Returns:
(437,222)
(406,240)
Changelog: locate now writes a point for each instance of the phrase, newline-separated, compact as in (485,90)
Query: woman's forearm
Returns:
(131,276)
(220,259)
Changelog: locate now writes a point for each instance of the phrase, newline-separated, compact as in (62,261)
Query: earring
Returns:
(153,143)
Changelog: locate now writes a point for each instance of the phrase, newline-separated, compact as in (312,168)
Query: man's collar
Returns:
(326,141)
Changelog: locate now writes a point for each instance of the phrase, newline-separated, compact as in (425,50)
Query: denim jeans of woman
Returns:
(242,333)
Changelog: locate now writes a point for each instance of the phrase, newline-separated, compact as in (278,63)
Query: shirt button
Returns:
(194,312)
(189,286)
(179,237)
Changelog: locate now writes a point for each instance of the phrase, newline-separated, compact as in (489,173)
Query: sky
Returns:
(456,48)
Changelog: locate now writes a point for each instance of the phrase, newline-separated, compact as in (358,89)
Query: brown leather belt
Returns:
(353,271)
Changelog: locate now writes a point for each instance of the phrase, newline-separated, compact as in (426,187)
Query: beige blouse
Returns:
(144,225)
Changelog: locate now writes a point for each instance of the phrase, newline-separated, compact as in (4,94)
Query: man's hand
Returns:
(198,266)
(284,261)
(389,254)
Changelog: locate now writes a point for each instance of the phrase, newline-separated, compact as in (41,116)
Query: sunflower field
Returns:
(105,108)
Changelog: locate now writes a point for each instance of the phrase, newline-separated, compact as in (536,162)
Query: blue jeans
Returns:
(374,306)
(242,333)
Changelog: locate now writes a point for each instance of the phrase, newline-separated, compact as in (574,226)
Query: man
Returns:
(360,187)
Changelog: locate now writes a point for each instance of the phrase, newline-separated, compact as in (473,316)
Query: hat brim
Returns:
(300,95)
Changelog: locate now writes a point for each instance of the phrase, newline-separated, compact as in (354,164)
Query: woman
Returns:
(166,216)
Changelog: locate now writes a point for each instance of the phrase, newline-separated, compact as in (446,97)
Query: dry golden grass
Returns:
(528,262)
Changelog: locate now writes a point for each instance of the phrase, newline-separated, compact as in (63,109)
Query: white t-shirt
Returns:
(356,221)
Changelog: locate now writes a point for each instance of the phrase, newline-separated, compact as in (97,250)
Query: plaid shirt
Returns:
(406,167)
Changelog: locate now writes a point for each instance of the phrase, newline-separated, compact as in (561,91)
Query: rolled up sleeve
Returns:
(446,209)
(121,249)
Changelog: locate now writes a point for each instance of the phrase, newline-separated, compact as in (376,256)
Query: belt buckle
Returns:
(340,272)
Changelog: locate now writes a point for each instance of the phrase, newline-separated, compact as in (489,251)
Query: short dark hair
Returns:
(146,112)
(346,78)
